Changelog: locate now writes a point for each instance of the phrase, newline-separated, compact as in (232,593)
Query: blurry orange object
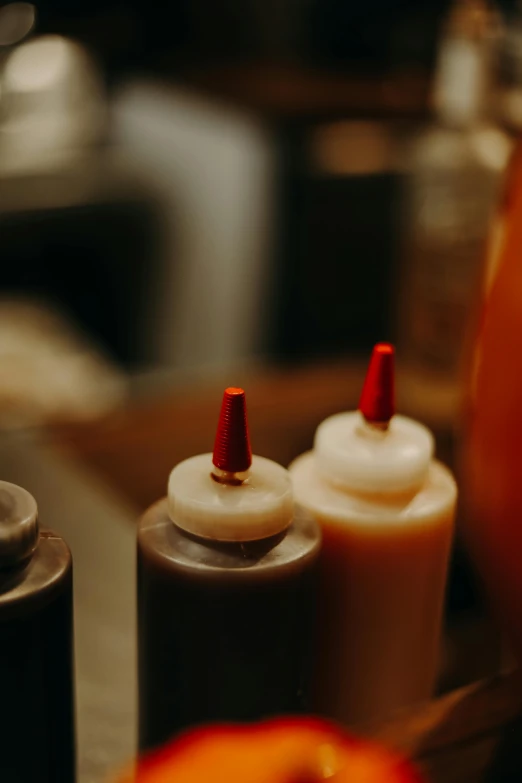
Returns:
(493,445)
(294,750)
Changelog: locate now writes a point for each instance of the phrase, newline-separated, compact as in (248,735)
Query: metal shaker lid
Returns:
(18,525)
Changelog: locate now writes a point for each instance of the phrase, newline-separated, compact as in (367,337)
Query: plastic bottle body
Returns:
(36,667)
(224,627)
(382,577)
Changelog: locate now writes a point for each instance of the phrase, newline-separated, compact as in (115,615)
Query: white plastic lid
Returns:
(260,507)
(18,525)
(354,455)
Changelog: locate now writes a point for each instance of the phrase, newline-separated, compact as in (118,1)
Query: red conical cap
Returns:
(377,403)
(232,450)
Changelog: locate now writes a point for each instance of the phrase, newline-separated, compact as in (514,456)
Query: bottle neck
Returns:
(230,478)
(462,82)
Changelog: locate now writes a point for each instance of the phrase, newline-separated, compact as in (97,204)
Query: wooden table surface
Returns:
(472,735)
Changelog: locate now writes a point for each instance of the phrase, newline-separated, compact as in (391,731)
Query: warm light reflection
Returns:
(492,147)
(53,105)
(40,64)
(350,148)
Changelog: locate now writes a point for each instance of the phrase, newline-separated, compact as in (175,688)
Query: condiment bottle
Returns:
(386,509)
(226,569)
(453,176)
(36,646)
(491,447)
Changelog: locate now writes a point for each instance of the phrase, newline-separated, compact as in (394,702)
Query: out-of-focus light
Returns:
(40,64)
(351,148)
(511,105)
(53,104)
(493,147)
(16,22)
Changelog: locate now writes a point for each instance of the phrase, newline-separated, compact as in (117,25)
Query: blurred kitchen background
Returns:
(207,183)
(208,192)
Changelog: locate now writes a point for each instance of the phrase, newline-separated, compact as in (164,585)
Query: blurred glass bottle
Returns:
(492,455)
(453,174)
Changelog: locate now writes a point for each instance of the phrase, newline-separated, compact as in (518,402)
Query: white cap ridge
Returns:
(353,455)
(262,505)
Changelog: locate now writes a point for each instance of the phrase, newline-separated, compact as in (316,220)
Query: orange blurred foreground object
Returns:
(290,750)
(492,465)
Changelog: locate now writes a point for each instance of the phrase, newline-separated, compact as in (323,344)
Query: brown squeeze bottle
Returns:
(36,647)
(226,570)
(386,508)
